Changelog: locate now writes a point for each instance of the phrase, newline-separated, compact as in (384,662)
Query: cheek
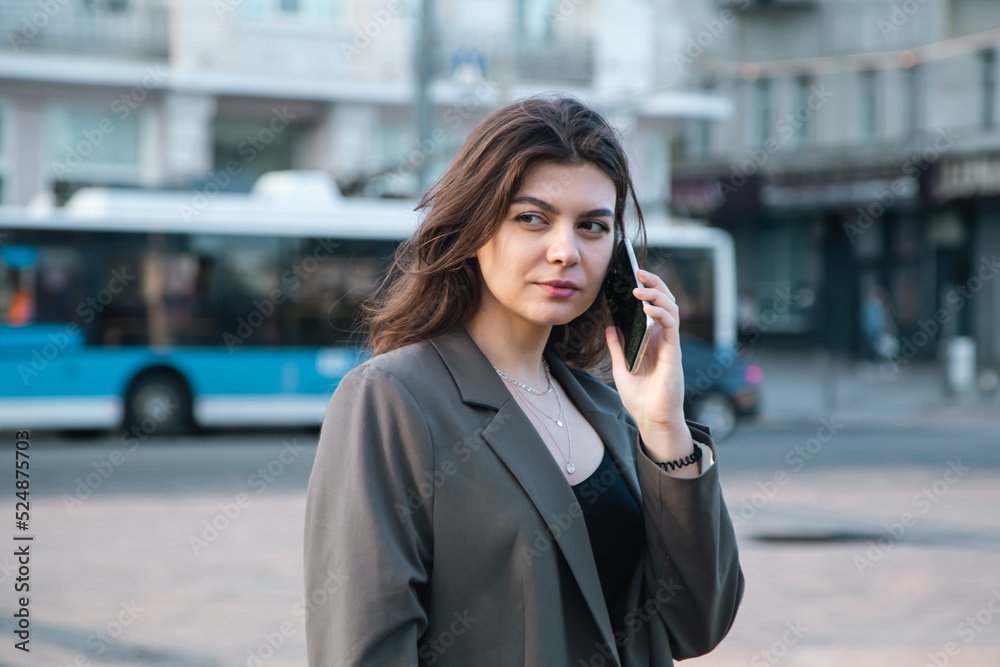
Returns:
(600,261)
(493,271)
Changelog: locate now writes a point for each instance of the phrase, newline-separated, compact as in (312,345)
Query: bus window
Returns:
(689,274)
(40,284)
(325,309)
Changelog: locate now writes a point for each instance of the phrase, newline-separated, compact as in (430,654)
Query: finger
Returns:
(614,346)
(650,279)
(653,295)
(664,317)
(659,299)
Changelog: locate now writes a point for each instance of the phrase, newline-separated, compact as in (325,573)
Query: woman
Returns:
(478,496)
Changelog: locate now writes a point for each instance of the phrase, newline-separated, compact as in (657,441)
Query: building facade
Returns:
(209,94)
(862,153)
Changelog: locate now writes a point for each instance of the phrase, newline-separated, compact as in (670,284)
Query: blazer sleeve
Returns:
(367,526)
(692,569)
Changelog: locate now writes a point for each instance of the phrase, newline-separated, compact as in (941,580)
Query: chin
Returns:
(557,319)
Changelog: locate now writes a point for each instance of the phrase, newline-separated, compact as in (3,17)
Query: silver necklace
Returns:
(524,386)
(570,468)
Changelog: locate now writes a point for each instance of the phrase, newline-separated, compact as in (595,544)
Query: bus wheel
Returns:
(158,403)
(718,413)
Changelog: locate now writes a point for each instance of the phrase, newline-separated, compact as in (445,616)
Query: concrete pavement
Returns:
(805,385)
(849,560)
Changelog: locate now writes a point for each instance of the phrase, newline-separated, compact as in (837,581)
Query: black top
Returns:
(614,523)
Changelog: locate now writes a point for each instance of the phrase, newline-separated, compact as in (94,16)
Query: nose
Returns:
(563,245)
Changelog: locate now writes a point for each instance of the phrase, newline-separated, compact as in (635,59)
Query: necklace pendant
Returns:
(570,468)
(558,423)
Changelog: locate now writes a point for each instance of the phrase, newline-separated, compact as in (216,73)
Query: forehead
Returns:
(555,181)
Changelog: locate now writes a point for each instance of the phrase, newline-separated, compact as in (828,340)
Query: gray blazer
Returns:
(441,531)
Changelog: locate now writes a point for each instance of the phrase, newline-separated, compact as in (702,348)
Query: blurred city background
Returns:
(195,196)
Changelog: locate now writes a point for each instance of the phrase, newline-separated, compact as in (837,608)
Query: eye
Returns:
(600,226)
(526,217)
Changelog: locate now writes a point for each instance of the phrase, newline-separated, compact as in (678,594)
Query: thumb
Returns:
(614,346)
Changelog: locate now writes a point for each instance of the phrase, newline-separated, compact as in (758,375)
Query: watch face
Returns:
(626,310)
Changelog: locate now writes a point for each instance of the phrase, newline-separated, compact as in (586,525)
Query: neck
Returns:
(513,347)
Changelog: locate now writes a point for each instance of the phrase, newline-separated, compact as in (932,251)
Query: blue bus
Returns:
(163,311)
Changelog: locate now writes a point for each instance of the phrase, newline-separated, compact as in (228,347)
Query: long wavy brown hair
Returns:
(434,282)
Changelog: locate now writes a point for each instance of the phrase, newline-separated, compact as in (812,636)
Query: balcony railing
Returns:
(110,28)
(495,57)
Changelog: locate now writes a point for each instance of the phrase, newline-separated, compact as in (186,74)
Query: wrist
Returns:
(672,426)
(667,443)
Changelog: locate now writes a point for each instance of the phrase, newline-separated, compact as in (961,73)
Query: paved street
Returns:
(127,568)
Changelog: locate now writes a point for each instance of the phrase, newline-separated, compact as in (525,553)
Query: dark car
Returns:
(720,387)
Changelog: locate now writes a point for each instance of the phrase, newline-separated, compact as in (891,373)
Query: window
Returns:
(785,263)
(92,141)
(700,132)
(256,146)
(4,160)
(914,100)
(688,271)
(869,104)
(111,5)
(802,112)
(323,10)
(762,111)
(534,17)
(988,63)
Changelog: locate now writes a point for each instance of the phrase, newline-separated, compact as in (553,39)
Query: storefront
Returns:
(820,240)
(965,234)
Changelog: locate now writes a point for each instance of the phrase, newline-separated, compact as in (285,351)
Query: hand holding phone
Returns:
(626,310)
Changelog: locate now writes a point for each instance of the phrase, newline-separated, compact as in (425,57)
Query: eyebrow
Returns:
(549,208)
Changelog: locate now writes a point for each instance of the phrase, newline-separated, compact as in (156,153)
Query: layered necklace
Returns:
(560,421)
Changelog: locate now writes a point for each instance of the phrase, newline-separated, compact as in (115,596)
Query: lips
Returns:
(559,288)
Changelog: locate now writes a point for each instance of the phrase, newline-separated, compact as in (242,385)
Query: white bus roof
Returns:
(288,203)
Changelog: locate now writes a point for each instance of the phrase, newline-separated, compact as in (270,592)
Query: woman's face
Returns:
(560,227)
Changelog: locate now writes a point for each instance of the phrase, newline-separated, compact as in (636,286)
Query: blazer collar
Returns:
(517,443)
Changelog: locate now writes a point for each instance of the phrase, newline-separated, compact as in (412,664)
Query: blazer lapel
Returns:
(607,424)
(522,450)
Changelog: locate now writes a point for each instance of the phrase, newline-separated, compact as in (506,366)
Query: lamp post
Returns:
(426,49)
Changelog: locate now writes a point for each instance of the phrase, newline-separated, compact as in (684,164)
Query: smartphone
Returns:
(626,309)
